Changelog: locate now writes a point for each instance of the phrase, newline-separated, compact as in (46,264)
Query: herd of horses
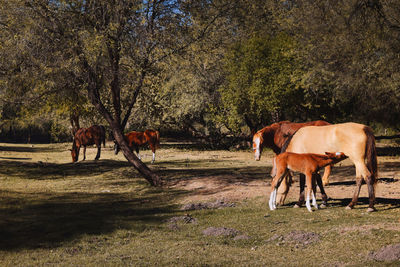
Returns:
(300,147)
(96,134)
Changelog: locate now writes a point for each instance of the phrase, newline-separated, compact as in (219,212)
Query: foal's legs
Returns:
(317,177)
(310,192)
(325,178)
(283,189)
(280,174)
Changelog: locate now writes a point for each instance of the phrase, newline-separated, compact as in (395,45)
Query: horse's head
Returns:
(116,147)
(257,145)
(74,154)
(336,157)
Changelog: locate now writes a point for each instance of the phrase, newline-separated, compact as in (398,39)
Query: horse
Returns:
(94,135)
(308,164)
(356,140)
(274,137)
(137,139)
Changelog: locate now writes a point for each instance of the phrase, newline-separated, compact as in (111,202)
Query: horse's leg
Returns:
(283,189)
(363,172)
(356,193)
(274,187)
(325,178)
(137,151)
(98,151)
(371,192)
(153,149)
(314,189)
(321,188)
(309,191)
(302,185)
(84,152)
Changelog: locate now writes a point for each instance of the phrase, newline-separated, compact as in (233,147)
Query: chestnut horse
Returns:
(94,135)
(137,139)
(274,137)
(356,140)
(308,164)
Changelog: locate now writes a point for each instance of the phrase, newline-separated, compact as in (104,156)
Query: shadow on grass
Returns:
(43,171)
(31,221)
(27,149)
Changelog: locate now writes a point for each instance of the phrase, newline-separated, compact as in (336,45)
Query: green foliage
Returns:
(262,82)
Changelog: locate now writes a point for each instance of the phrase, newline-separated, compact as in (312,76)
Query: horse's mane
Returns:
(287,142)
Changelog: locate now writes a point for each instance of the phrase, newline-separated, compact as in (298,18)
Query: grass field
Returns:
(56,213)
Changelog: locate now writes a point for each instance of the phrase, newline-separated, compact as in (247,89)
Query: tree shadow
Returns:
(27,149)
(42,170)
(29,221)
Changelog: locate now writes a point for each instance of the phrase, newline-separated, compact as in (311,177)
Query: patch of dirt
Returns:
(223,231)
(296,238)
(387,253)
(208,205)
(342,185)
(176,222)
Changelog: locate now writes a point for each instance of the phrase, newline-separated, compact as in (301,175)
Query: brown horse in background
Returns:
(274,137)
(138,139)
(356,140)
(308,164)
(94,135)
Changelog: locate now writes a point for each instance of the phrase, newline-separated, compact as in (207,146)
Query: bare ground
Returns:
(341,187)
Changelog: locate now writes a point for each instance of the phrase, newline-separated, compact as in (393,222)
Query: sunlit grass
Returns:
(54,212)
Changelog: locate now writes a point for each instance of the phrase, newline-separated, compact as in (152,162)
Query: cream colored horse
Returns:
(355,140)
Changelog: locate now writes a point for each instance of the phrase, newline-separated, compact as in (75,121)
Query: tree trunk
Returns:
(74,120)
(149,175)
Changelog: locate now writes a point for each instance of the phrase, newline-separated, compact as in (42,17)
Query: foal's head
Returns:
(336,157)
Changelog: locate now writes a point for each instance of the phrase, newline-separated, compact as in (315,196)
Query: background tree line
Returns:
(256,62)
(208,69)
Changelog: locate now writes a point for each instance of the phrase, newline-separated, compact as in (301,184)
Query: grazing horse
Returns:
(274,137)
(357,141)
(94,135)
(308,164)
(137,139)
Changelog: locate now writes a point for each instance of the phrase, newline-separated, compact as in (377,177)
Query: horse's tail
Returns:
(103,135)
(273,171)
(371,155)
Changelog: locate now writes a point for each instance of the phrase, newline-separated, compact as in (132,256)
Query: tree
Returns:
(112,47)
(262,83)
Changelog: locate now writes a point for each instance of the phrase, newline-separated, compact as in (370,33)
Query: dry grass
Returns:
(53,212)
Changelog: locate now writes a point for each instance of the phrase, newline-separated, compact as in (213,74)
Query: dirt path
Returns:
(342,185)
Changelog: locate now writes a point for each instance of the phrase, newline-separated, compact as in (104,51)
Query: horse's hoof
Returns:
(322,206)
(371,209)
(349,208)
(296,206)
